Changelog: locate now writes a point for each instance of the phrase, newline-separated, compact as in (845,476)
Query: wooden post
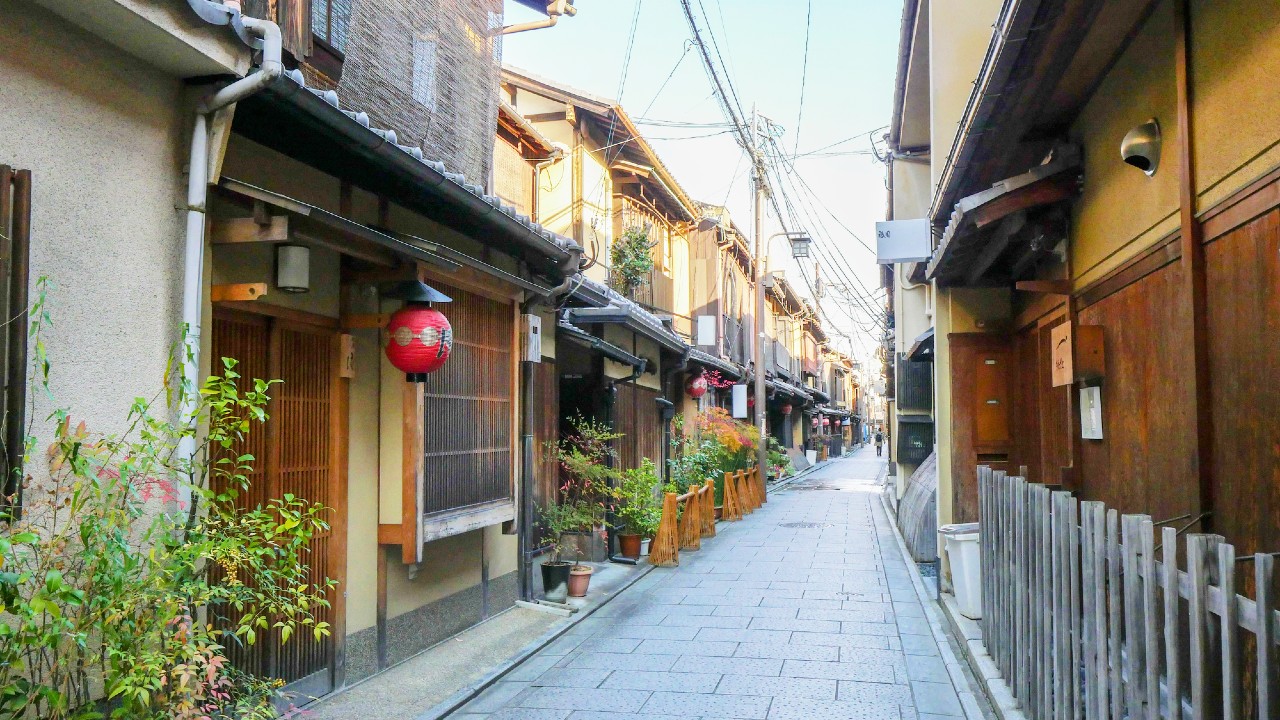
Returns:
(1206,695)
(1150,635)
(690,525)
(1115,615)
(664,551)
(1077,634)
(1135,645)
(732,507)
(1263,570)
(1231,690)
(1172,638)
(744,493)
(707,496)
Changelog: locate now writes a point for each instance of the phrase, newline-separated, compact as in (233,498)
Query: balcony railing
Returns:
(733,343)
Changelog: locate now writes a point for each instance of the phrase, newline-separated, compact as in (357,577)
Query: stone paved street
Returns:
(803,610)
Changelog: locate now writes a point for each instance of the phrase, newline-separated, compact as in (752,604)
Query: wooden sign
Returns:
(1062,370)
(346,356)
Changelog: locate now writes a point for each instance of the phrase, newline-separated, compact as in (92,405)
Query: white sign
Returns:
(900,241)
(706,330)
(532,327)
(739,401)
(1091,413)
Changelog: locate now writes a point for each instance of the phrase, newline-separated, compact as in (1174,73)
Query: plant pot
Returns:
(579,579)
(555,581)
(644,546)
(630,546)
(719,512)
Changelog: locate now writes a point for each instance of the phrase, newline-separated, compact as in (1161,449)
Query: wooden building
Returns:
(1102,288)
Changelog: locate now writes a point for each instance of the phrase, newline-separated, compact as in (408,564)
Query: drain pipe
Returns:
(197,195)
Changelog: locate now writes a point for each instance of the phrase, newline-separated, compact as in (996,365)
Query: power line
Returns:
(804,73)
(670,75)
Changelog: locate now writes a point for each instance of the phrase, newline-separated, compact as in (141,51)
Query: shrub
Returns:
(631,260)
(117,593)
(636,508)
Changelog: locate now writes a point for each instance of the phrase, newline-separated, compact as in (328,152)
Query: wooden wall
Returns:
(1146,461)
(1243,277)
(636,417)
(546,429)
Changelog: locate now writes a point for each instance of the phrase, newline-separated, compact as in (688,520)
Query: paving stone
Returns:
(793,624)
(758,611)
(937,698)
(927,668)
(622,661)
(532,668)
(655,632)
(673,681)
(876,692)
(729,665)
(788,651)
(919,645)
(525,714)
(496,697)
(571,677)
(838,671)
(598,715)
(805,709)
(583,699)
(845,640)
(747,707)
(688,647)
(744,635)
(859,616)
(778,687)
(707,621)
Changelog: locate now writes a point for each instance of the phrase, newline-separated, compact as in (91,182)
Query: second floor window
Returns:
(330,22)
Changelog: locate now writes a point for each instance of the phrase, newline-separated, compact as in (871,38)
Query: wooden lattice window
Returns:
(468,427)
(15,244)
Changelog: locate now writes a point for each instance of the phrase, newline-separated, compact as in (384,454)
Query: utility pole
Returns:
(761,264)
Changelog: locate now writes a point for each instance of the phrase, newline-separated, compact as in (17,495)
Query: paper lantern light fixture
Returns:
(697,386)
(420,337)
(786,408)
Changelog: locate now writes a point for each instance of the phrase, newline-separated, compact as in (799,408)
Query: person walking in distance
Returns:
(879,443)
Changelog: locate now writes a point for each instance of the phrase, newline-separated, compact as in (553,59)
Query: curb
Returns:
(983,667)
(455,701)
(958,680)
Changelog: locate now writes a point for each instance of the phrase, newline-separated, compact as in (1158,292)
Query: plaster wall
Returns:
(959,34)
(106,191)
(1235,52)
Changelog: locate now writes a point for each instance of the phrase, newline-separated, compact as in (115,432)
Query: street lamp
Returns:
(799,239)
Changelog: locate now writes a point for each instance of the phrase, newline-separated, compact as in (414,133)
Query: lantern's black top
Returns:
(413,291)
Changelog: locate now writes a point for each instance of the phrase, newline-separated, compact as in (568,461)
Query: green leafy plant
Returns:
(779,461)
(631,260)
(585,457)
(636,508)
(132,568)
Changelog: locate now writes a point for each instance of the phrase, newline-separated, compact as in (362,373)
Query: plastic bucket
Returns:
(966,566)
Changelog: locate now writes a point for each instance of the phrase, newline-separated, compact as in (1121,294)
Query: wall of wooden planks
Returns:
(546,429)
(636,417)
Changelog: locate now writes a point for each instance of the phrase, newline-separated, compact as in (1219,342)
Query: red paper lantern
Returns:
(826,421)
(420,341)
(786,408)
(751,400)
(697,386)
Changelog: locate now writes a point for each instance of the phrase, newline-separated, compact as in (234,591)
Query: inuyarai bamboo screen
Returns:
(468,424)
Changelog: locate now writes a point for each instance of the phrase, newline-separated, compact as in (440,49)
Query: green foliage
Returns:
(631,260)
(779,461)
(585,458)
(635,506)
(131,569)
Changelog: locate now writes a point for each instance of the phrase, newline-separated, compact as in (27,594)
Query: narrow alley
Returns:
(806,609)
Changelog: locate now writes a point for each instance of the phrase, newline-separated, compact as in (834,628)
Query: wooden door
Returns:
(980,429)
(298,451)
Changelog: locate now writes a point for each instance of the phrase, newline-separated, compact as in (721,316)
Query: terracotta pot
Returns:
(630,546)
(719,512)
(555,581)
(579,579)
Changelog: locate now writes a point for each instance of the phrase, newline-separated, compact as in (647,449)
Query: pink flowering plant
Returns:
(131,567)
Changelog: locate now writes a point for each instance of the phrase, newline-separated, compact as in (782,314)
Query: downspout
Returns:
(197,195)
(525,540)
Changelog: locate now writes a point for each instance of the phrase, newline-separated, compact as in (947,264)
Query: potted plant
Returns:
(636,508)
(555,572)
(588,480)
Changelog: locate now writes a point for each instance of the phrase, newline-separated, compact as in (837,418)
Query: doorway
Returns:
(300,450)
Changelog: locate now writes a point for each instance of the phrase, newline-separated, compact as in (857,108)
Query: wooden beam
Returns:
(238,292)
(365,321)
(546,117)
(1010,226)
(1055,188)
(1048,287)
(230,231)
(1193,269)
(351,247)
(389,534)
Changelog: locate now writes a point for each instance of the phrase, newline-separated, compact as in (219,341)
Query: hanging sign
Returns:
(901,241)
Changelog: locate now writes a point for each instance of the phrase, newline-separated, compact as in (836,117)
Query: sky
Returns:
(836,183)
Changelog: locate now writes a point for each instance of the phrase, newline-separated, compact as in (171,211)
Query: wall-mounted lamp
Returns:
(1141,147)
(293,268)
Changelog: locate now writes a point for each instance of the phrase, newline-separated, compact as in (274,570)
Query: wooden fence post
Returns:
(708,494)
(664,550)
(1206,694)
(1172,615)
(1230,633)
(1263,570)
(1135,625)
(732,506)
(1093,520)
(1115,615)
(690,525)
(1150,612)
